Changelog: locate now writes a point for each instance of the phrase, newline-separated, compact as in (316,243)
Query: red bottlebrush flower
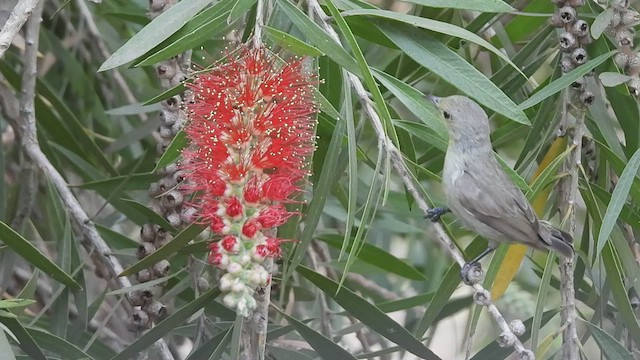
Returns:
(214,247)
(215,258)
(273,245)
(251,130)
(216,223)
(272,216)
(250,228)
(234,207)
(229,243)
(261,251)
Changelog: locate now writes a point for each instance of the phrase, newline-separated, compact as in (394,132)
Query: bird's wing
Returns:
(503,208)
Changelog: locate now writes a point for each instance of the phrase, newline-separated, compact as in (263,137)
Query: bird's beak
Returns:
(434,99)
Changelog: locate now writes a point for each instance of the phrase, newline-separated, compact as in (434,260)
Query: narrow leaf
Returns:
(26,342)
(601,22)
(565,80)
(611,79)
(155,32)
(611,348)
(291,43)
(447,64)
(326,348)
(165,326)
(491,6)
(618,199)
(435,26)
(369,314)
(319,37)
(30,253)
(179,241)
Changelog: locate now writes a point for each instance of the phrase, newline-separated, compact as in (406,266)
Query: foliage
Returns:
(366,276)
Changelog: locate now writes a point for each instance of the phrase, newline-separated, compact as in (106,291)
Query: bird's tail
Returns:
(558,240)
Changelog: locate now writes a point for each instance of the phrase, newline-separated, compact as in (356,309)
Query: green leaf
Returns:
(165,326)
(369,314)
(610,79)
(13,303)
(173,151)
(179,241)
(144,285)
(435,26)
(170,21)
(240,8)
(565,80)
(151,215)
(57,345)
(415,101)
(319,37)
(214,347)
(618,199)
(422,132)
(326,348)
(380,258)
(611,348)
(133,182)
(30,253)
(291,43)
(601,22)
(188,41)
(321,192)
(133,109)
(26,342)
(614,280)
(115,240)
(496,6)
(166,94)
(5,347)
(447,64)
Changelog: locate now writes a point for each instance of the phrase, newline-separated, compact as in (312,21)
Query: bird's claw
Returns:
(471,273)
(435,213)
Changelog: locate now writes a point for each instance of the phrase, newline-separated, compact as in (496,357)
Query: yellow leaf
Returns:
(515,253)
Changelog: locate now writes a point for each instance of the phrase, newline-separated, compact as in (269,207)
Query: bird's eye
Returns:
(446,115)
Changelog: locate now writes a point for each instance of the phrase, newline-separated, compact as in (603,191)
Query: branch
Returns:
(569,194)
(481,296)
(90,240)
(17,18)
(257,28)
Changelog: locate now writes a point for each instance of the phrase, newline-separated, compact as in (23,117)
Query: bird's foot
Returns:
(472,273)
(435,213)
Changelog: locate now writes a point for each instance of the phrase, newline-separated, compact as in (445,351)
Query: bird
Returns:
(480,193)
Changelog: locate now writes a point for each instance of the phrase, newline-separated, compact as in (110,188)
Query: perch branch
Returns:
(21,12)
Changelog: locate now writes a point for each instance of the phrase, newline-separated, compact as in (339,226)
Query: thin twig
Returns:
(325,313)
(567,267)
(21,12)
(257,29)
(482,296)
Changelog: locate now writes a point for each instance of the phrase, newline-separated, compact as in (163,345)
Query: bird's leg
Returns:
(435,213)
(471,272)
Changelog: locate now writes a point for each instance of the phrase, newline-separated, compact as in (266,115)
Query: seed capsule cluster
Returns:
(166,199)
(621,30)
(572,40)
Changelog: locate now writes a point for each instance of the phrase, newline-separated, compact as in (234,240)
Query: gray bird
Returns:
(480,193)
